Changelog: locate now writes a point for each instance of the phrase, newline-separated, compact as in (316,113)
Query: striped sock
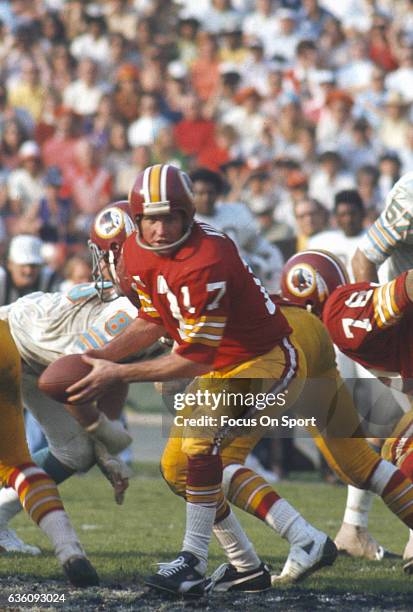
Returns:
(248,491)
(395,489)
(223,508)
(37,492)
(40,498)
(203,491)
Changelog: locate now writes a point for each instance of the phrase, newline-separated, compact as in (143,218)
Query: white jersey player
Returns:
(46,326)
(390,239)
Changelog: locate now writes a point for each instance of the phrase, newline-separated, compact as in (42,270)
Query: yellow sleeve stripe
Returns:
(386,311)
(205,329)
(152,313)
(207,336)
(200,340)
(142,294)
(144,300)
(205,319)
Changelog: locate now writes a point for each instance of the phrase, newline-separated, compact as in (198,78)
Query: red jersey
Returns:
(373,325)
(207,299)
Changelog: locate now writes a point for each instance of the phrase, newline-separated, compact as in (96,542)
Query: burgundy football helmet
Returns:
(309,277)
(160,190)
(112,225)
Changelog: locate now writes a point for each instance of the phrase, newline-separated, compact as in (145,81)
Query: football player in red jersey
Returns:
(230,335)
(193,285)
(372,324)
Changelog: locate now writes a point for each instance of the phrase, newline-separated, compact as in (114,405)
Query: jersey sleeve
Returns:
(392,226)
(203,304)
(354,313)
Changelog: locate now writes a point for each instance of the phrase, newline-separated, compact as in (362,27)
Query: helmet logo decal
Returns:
(301,280)
(110,223)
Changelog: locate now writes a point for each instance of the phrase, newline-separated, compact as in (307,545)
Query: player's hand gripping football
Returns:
(103,375)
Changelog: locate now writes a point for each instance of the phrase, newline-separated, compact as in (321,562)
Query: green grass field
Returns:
(125,543)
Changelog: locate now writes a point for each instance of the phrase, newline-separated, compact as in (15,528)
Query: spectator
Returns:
(93,43)
(51,216)
(359,148)
(144,130)
(119,155)
(311,218)
(367,186)
(205,68)
(121,18)
(335,119)
(394,125)
(24,271)
(25,184)
(284,44)
(220,17)
(355,75)
(28,92)
(369,104)
(126,96)
(12,139)
(261,23)
(246,118)
(313,18)
(59,149)
(77,270)
(401,80)
(349,214)
(389,174)
(91,184)
(84,94)
(186,41)
(166,151)
(330,178)
(221,149)
(193,133)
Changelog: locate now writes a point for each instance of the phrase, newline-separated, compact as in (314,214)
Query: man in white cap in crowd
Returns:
(24,271)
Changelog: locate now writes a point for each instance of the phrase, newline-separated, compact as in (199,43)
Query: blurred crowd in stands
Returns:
(290,101)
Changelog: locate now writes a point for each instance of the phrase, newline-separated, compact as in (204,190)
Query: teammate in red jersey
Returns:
(372,324)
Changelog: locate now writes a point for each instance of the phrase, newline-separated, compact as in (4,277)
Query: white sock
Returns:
(358,507)
(199,524)
(9,505)
(234,541)
(289,523)
(58,528)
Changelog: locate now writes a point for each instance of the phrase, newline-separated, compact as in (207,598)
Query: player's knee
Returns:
(192,447)
(78,454)
(174,475)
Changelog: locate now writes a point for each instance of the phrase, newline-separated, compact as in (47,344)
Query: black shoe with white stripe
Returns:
(179,577)
(227,578)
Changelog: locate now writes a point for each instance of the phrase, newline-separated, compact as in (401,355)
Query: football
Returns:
(61,374)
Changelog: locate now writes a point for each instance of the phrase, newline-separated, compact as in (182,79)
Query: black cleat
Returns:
(227,578)
(81,572)
(179,577)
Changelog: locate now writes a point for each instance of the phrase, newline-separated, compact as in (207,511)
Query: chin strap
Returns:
(165,247)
